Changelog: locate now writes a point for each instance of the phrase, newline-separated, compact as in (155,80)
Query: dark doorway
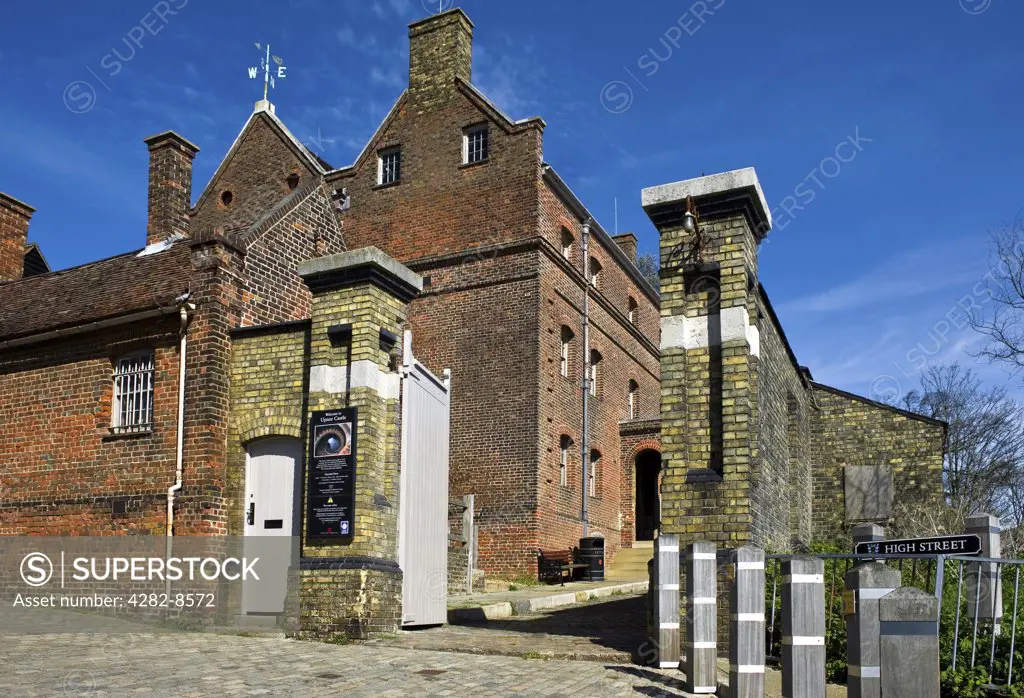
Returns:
(648,499)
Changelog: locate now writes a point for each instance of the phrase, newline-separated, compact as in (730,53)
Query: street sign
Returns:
(968,544)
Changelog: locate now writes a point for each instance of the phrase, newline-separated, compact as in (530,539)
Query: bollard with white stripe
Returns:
(908,628)
(665,596)
(985,603)
(865,585)
(746,625)
(701,643)
(803,628)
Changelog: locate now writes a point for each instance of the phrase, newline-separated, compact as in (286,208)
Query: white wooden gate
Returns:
(423,504)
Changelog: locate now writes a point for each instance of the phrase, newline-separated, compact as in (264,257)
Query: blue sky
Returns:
(874,250)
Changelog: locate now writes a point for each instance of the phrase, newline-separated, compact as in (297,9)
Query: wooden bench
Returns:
(556,564)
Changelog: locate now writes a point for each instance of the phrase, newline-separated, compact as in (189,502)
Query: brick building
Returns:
(136,398)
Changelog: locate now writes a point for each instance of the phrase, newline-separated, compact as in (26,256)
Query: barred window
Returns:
(595,462)
(595,362)
(633,388)
(133,393)
(475,145)
(389,166)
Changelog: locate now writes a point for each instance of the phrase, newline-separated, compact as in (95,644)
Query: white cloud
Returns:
(389,78)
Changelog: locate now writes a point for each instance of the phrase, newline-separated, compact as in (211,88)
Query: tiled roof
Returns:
(108,288)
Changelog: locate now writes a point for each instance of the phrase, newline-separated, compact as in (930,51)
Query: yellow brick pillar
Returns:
(351,583)
(710,350)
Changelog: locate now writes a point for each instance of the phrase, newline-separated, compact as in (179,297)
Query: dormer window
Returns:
(389,166)
(475,145)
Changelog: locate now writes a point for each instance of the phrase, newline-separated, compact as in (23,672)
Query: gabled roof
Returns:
(109,288)
(392,113)
(264,110)
(35,263)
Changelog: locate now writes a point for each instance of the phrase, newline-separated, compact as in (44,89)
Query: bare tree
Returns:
(1000,315)
(650,268)
(984,464)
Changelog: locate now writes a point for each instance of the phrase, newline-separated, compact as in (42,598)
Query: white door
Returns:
(272,487)
(423,513)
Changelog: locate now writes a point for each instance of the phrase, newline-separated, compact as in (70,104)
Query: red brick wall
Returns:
(256,174)
(61,467)
(14,218)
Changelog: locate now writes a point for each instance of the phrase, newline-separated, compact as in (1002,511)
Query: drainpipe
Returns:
(184,309)
(585,446)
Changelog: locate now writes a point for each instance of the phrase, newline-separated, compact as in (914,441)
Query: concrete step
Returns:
(631,563)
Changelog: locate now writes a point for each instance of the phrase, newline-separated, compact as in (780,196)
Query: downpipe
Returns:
(185,310)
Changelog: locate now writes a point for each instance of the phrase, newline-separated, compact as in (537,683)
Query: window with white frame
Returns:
(595,462)
(567,241)
(132,409)
(595,362)
(565,446)
(595,271)
(563,358)
(633,309)
(634,388)
(389,166)
(476,146)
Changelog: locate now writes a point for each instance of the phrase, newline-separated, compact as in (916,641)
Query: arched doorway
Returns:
(648,496)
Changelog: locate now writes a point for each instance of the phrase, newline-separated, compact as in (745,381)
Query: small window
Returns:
(633,310)
(595,463)
(132,409)
(634,388)
(595,272)
(563,360)
(475,145)
(389,166)
(564,445)
(226,197)
(292,180)
(567,241)
(595,362)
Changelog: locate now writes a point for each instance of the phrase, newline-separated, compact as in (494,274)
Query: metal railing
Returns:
(965,637)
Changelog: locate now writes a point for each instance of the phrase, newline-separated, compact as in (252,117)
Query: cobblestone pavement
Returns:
(604,630)
(185,665)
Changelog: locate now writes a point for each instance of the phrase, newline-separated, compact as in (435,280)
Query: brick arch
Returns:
(645,445)
(258,426)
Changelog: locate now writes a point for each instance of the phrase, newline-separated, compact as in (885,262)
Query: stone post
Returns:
(665,601)
(746,625)
(700,663)
(803,628)
(909,643)
(865,585)
(352,585)
(710,348)
(989,598)
(867,533)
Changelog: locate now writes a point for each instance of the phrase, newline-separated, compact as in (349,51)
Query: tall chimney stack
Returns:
(440,50)
(14,218)
(170,185)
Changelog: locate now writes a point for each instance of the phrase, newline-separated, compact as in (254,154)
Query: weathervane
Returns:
(268,76)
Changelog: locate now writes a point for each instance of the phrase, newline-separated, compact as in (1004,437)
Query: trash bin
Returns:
(591,552)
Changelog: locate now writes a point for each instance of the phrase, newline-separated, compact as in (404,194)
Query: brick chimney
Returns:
(14,218)
(626,243)
(170,185)
(440,50)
